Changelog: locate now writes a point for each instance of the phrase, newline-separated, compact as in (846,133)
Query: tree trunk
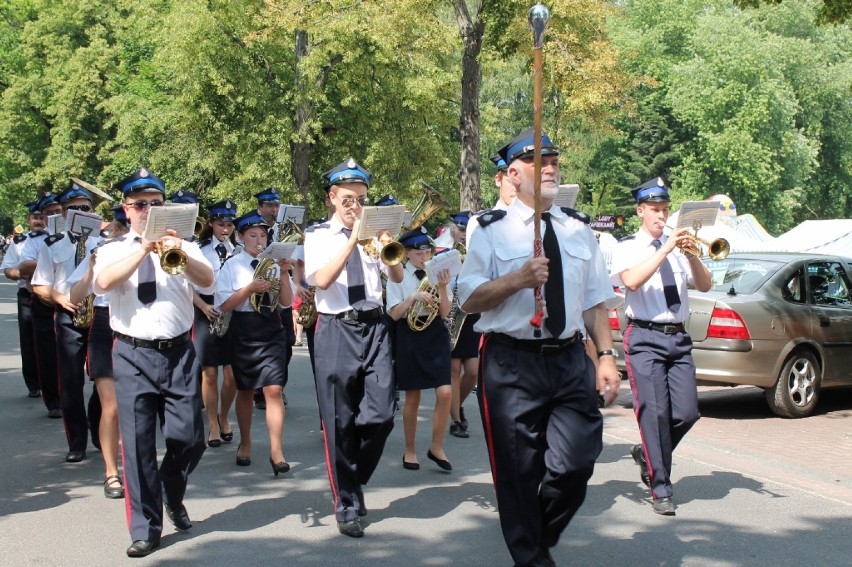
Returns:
(471,31)
(300,150)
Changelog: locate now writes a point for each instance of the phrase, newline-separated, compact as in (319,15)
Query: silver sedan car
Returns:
(778,321)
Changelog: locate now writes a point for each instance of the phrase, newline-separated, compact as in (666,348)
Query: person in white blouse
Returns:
(258,338)
(154,363)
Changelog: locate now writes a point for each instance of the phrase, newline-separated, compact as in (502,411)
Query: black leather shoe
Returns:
(54,413)
(226,437)
(34,393)
(75,456)
(410,466)
(664,506)
(242,461)
(214,443)
(639,456)
(443,463)
(281,467)
(113,488)
(142,547)
(352,528)
(458,429)
(178,517)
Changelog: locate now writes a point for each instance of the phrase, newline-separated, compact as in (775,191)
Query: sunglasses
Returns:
(142,205)
(83,208)
(350,201)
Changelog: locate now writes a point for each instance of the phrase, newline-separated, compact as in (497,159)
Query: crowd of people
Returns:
(152,322)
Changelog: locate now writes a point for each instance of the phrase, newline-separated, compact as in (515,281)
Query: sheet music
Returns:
(407,218)
(55,224)
(378,219)
(567,195)
(278,251)
(178,217)
(76,221)
(702,211)
(447,260)
(295,213)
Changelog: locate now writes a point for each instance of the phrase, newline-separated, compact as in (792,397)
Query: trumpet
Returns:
(430,203)
(717,249)
(173,261)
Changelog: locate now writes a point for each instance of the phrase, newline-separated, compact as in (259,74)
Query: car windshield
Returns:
(743,274)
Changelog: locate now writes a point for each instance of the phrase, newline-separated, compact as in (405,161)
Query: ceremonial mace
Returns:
(538,17)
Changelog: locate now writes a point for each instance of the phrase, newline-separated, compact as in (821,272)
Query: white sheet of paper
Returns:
(278,251)
(76,221)
(378,219)
(177,217)
(55,224)
(567,195)
(703,212)
(446,260)
(296,213)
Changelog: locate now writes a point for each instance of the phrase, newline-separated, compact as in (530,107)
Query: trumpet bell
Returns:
(173,261)
(719,249)
(392,253)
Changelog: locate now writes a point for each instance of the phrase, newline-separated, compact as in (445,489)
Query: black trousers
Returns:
(150,384)
(71,347)
(354,378)
(544,432)
(44,336)
(665,397)
(29,365)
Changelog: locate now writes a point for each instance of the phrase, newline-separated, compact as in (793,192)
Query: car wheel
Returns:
(796,392)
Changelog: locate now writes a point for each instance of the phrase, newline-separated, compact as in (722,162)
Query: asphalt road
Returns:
(751,489)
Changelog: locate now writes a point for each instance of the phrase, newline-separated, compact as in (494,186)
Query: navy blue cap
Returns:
(249,220)
(348,171)
(141,181)
(184,198)
(387,201)
(499,162)
(522,146)
(33,207)
(416,239)
(460,219)
(119,214)
(269,195)
(653,191)
(223,210)
(47,200)
(73,191)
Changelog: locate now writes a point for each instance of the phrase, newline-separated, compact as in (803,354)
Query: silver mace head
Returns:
(538,16)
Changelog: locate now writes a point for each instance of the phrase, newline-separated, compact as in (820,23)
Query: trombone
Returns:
(717,249)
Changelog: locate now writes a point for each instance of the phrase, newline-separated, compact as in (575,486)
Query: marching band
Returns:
(151,323)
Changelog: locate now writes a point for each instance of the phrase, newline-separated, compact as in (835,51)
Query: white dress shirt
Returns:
(322,243)
(648,303)
(209,251)
(13,258)
(56,261)
(506,244)
(170,315)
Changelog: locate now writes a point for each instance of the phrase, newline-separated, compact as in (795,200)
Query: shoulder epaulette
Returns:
(481,212)
(54,238)
(19,238)
(205,242)
(104,233)
(491,216)
(110,241)
(575,214)
(190,239)
(34,233)
(626,238)
(316,226)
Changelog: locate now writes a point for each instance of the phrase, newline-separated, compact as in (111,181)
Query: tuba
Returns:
(430,203)
(265,270)
(416,321)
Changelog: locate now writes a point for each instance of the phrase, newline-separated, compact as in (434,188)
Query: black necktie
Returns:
(355,276)
(222,252)
(669,285)
(554,295)
(147,290)
(419,274)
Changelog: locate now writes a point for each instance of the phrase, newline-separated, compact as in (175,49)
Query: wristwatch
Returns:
(608,352)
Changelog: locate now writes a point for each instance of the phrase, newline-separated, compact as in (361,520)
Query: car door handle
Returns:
(824,322)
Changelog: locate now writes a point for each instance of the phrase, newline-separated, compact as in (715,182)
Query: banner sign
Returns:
(608,222)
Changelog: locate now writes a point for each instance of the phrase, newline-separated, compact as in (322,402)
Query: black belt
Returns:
(208,299)
(541,346)
(355,315)
(667,328)
(156,344)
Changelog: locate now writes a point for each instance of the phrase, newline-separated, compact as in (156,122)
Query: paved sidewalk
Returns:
(752,490)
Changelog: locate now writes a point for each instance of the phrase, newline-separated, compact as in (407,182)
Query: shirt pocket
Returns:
(512,257)
(575,261)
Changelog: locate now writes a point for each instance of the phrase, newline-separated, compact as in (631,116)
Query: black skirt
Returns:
(468,344)
(210,349)
(258,350)
(422,359)
(99,349)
